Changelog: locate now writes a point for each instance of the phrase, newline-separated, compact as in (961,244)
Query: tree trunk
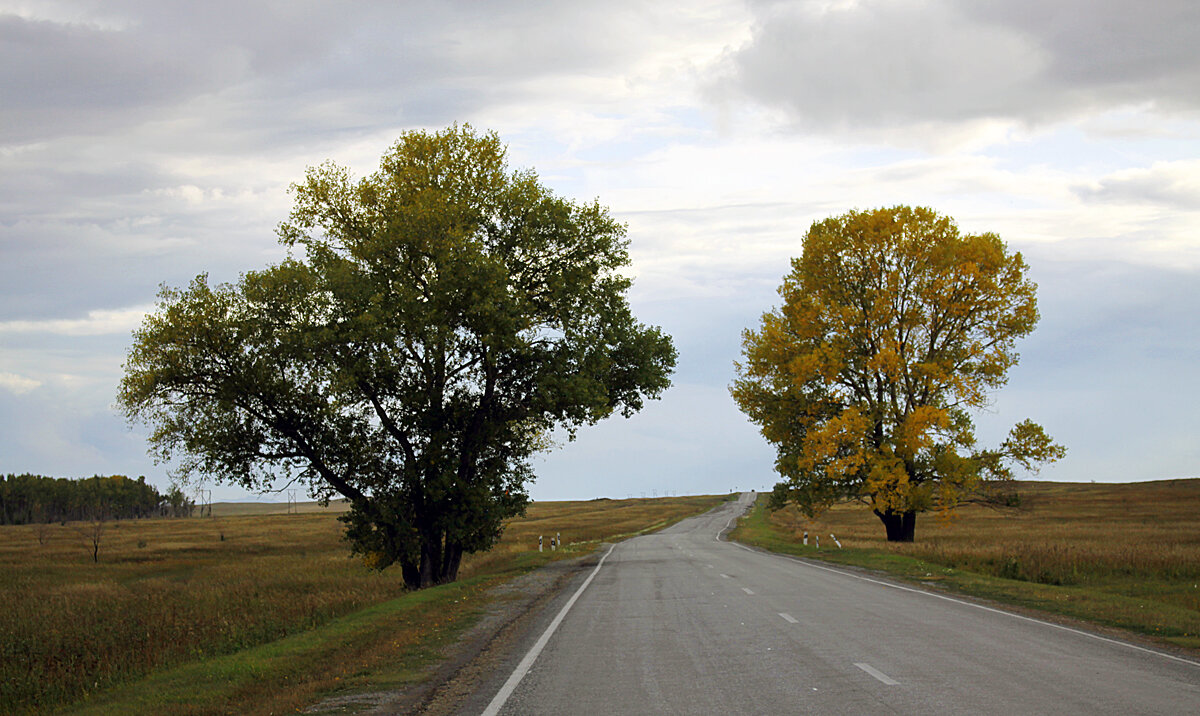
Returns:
(900,526)
(438,565)
(431,553)
(451,559)
(412,573)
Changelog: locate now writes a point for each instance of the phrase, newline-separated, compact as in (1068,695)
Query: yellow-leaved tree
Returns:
(894,327)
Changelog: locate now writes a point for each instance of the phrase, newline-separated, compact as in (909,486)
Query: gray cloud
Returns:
(1117,50)
(127,140)
(875,64)
(156,142)
(49,433)
(295,68)
(1173,185)
(78,234)
(60,78)
(144,142)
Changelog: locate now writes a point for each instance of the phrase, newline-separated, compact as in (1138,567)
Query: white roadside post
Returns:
(835,540)
(539,543)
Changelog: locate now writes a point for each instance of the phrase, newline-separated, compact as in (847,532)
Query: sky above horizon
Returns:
(143,143)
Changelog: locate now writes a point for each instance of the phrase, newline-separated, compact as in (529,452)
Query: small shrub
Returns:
(1010,568)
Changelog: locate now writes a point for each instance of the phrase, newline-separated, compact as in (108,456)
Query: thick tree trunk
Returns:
(412,574)
(450,561)
(431,556)
(438,564)
(900,526)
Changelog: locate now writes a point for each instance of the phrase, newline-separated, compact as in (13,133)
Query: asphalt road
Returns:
(682,623)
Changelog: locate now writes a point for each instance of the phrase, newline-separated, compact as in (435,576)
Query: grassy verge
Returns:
(1124,556)
(249,614)
(383,646)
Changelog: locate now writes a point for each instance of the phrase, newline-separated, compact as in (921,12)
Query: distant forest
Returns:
(29,499)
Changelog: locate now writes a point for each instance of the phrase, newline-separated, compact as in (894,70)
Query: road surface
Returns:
(681,622)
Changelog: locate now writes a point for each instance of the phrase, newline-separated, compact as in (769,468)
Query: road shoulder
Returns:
(479,654)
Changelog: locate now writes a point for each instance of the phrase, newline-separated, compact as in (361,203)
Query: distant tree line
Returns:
(29,499)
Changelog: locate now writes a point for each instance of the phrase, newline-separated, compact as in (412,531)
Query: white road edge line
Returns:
(789,618)
(526,664)
(730,522)
(878,674)
(1079,632)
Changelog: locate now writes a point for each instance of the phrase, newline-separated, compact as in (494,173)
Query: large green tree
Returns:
(447,314)
(894,327)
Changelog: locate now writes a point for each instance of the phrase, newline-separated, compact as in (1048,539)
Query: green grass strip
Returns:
(387,645)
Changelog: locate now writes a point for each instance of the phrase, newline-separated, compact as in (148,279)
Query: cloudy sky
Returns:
(143,142)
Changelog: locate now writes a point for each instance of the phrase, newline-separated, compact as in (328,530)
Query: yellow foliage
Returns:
(893,324)
(915,432)
(375,560)
(888,483)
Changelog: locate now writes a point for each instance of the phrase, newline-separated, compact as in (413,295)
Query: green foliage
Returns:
(26,499)
(894,326)
(446,317)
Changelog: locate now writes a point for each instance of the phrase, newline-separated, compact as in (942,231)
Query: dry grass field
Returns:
(171,592)
(1126,555)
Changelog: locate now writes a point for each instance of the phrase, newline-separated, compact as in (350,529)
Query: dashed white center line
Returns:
(747,591)
(972,605)
(726,576)
(878,674)
(789,618)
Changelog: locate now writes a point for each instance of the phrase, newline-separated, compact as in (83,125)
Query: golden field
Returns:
(1125,555)
(171,592)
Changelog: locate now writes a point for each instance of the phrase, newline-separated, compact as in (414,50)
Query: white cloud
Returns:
(683,453)
(65,13)
(1172,185)
(18,384)
(97,323)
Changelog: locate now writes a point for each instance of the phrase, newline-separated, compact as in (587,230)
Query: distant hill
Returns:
(237,509)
